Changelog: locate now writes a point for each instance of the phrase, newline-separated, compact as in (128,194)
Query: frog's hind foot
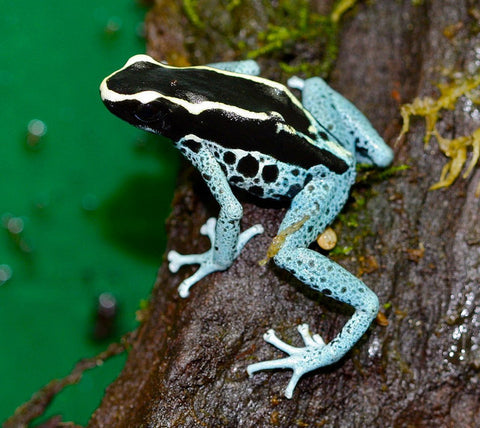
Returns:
(296,82)
(302,360)
(206,260)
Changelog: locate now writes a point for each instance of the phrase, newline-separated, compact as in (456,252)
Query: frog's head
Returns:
(136,93)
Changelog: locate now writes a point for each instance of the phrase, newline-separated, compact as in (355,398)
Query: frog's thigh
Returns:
(248,66)
(316,205)
(320,100)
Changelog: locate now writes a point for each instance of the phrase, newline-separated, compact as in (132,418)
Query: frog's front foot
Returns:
(206,260)
(313,355)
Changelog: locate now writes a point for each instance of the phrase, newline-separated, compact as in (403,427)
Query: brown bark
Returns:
(187,366)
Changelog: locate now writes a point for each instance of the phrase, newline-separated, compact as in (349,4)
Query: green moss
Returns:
(341,251)
(190,8)
(370,174)
(233,4)
(295,24)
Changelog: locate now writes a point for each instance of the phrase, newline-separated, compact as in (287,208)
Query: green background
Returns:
(92,196)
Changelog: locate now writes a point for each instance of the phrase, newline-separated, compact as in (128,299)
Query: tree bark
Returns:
(419,250)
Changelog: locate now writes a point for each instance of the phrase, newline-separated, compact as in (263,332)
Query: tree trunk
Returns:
(419,250)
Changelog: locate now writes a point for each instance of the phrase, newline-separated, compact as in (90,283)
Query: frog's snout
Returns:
(104,89)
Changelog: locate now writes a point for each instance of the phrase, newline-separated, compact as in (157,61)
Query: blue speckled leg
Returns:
(341,118)
(321,200)
(224,234)
(248,66)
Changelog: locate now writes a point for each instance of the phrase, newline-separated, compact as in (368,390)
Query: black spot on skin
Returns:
(236,179)
(256,190)
(295,172)
(327,292)
(323,135)
(207,177)
(229,157)
(293,190)
(270,173)
(362,151)
(248,166)
(194,146)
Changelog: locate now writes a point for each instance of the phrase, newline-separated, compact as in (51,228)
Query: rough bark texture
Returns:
(187,367)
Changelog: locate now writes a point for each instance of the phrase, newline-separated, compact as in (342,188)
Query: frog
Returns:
(243,131)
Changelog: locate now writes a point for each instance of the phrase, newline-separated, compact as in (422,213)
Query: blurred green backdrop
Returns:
(82,207)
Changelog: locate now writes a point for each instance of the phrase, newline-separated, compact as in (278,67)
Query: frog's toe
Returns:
(308,339)
(204,270)
(246,235)
(296,82)
(177,260)
(208,229)
(174,263)
(282,363)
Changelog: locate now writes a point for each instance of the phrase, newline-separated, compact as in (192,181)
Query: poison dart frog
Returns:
(241,130)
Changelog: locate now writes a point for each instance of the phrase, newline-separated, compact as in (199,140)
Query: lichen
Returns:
(279,240)
(457,148)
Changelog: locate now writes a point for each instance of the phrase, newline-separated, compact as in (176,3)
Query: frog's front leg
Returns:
(320,201)
(224,233)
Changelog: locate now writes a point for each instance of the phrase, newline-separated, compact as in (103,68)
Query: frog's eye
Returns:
(149,112)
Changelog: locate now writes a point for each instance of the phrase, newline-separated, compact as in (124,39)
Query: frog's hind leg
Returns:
(248,66)
(320,205)
(339,118)
(327,106)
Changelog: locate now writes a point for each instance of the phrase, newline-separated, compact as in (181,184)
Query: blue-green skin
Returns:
(320,200)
